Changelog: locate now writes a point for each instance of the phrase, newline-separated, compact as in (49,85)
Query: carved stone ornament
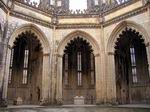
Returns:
(146,2)
(64,9)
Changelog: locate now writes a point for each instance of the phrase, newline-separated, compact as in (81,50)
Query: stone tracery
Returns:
(100,7)
(131,67)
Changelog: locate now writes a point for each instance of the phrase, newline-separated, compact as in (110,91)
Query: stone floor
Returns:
(123,108)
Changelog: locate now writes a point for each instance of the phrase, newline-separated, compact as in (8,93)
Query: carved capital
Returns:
(59,56)
(46,54)
(9,47)
(111,53)
(97,55)
(147,44)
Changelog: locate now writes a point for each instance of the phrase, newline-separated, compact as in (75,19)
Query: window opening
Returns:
(11,66)
(133,65)
(79,68)
(66,70)
(25,69)
(92,69)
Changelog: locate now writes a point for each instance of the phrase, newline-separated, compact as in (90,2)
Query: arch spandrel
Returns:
(121,27)
(34,29)
(81,34)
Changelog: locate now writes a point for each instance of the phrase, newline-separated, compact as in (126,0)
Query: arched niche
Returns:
(110,49)
(75,34)
(62,47)
(36,30)
(40,36)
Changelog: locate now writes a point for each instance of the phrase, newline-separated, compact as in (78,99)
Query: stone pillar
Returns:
(6,72)
(45,80)
(148,56)
(111,79)
(59,80)
(99,80)
(53,76)
(1,64)
(100,67)
(1,70)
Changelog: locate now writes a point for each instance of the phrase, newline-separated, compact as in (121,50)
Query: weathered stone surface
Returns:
(100,30)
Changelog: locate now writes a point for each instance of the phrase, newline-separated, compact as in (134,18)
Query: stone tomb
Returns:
(79,100)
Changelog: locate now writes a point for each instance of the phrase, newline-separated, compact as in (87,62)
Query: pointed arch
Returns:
(111,43)
(40,36)
(34,29)
(121,27)
(95,47)
(75,34)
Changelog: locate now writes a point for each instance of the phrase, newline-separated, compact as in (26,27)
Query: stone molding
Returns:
(76,26)
(31,19)
(90,39)
(121,27)
(115,8)
(3,6)
(34,29)
(33,8)
(127,15)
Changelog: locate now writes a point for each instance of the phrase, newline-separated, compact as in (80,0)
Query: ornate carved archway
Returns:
(131,66)
(37,31)
(78,72)
(75,34)
(121,27)
(61,49)
(114,37)
(25,71)
(46,51)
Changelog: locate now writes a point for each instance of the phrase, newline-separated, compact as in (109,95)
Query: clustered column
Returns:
(45,79)
(111,79)
(59,80)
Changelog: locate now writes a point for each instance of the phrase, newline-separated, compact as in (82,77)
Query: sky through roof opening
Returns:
(78,4)
(38,1)
(73,5)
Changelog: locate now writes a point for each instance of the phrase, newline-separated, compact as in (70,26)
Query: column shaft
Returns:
(59,81)
(45,79)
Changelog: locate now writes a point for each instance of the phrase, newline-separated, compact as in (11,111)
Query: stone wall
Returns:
(101,34)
